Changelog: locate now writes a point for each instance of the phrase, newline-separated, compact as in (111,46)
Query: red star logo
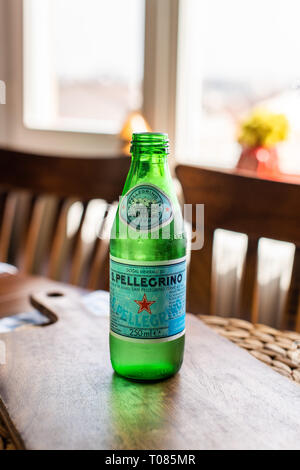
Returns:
(144,304)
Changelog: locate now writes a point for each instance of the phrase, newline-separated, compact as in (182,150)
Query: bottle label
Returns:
(147,299)
(146,207)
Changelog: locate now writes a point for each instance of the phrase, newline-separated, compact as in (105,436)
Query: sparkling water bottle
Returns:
(148,267)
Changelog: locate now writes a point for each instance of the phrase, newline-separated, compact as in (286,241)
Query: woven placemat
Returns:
(278,349)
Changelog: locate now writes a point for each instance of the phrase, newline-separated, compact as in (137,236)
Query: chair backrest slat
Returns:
(34,233)
(59,240)
(248,301)
(78,248)
(8,217)
(100,259)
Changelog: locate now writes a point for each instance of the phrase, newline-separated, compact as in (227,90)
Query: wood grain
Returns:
(16,289)
(60,392)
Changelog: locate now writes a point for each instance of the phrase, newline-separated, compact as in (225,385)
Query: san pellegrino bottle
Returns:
(148,267)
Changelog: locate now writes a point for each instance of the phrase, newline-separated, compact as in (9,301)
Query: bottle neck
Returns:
(149,159)
(148,168)
(152,158)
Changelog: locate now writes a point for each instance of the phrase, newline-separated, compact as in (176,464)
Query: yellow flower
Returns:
(263,128)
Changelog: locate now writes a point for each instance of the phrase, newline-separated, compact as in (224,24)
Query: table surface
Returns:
(222,398)
(16,289)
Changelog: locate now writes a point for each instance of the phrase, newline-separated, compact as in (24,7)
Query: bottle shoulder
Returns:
(148,250)
(148,224)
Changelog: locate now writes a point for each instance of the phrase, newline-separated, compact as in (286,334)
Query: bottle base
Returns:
(146,374)
(146,362)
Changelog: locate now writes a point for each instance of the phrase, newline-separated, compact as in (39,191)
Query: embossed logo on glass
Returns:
(146,207)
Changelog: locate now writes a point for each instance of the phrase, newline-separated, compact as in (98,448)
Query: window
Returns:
(76,68)
(234,56)
(84,62)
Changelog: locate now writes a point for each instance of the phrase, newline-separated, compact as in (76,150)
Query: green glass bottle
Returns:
(148,267)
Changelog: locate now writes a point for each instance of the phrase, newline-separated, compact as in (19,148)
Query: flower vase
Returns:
(261,160)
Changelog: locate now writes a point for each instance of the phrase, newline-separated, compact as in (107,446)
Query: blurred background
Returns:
(193,68)
(221,78)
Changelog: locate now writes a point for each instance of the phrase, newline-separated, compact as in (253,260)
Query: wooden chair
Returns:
(240,203)
(48,209)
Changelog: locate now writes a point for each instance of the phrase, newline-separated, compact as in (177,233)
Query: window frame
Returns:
(159,86)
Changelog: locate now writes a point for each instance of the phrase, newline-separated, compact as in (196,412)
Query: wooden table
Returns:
(15,291)
(223,398)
